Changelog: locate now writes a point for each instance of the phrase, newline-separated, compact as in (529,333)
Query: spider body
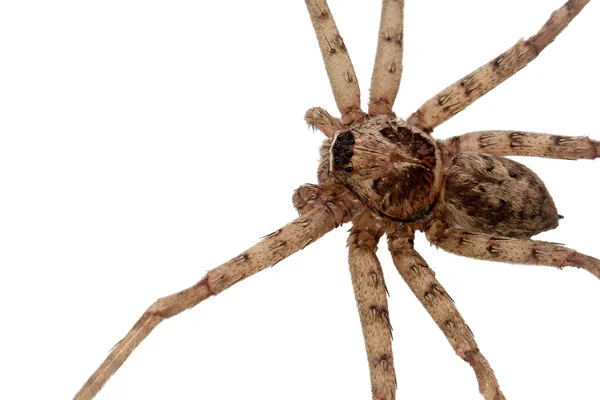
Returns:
(495,195)
(398,172)
(393,168)
(391,177)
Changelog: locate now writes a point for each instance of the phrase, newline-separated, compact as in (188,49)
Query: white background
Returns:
(143,143)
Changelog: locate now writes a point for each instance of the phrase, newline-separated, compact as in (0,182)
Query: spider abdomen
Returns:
(496,195)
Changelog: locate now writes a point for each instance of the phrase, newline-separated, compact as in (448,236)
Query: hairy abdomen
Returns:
(495,195)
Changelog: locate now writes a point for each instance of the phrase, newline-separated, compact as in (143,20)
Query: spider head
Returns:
(392,167)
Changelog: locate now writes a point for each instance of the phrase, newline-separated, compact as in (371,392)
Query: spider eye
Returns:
(341,152)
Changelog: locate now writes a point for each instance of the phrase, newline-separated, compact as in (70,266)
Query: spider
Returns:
(372,215)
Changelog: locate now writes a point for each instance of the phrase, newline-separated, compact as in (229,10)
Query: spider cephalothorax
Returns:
(392,167)
(389,176)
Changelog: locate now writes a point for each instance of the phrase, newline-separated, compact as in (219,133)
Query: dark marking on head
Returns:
(407,139)
(399,185)
(376,183)
(342,149)
(390,133)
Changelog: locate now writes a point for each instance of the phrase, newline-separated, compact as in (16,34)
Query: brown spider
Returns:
(408,181)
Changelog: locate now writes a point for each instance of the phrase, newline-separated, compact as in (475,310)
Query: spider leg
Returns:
(519,143)
(421,280)
(387,70)
(503,249)
(371,299)
(337,61)
(318,118)
(465,91)
(273,248)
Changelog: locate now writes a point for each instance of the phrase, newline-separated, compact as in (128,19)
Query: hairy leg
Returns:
(519,143)
(465,91)
(318,118)
(518,251)
(337,61)
(273,248)
(387,70)
(370,293)
(421,280)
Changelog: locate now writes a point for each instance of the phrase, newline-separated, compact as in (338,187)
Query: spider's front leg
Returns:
(387,70)
(337,61)
(421,280)
(471,87)
(509,250)
(276,246)
(519,143)
(371,299)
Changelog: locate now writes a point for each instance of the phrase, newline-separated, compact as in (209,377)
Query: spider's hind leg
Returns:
(509,250)
(421,280)
(519,143)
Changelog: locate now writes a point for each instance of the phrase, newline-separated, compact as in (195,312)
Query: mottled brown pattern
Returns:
(391,167)
(519,143)
(511,250)
(484,193)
